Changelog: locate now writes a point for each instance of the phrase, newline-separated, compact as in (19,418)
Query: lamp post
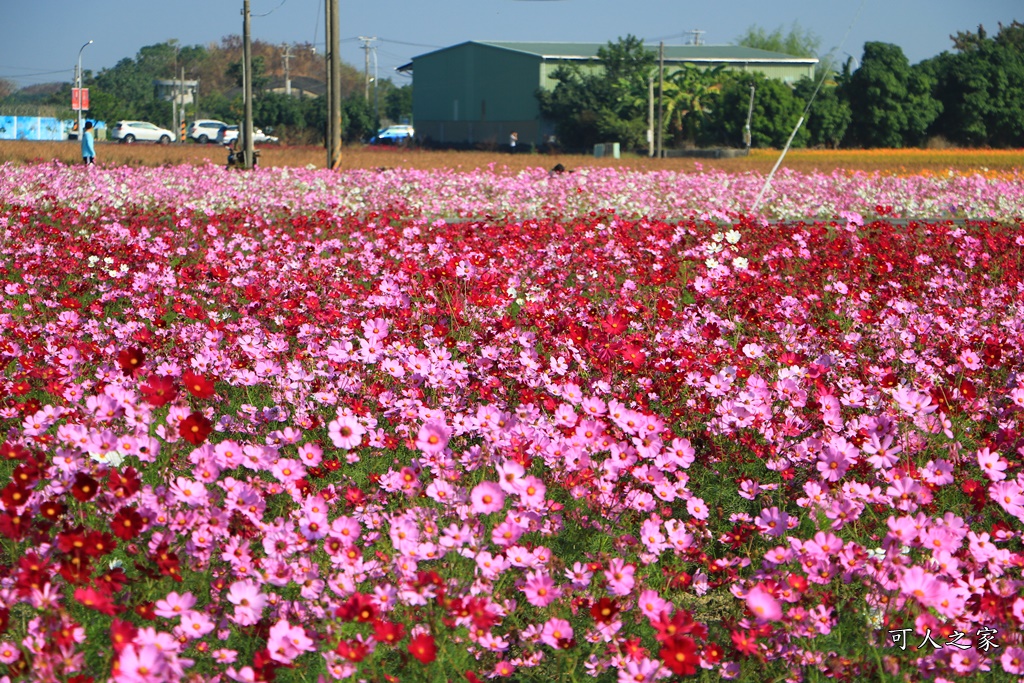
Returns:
(78,74)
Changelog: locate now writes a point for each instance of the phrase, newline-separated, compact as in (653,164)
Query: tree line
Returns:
(972,96)
(126,90)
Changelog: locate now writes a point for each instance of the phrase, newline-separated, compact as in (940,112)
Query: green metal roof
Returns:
(673,53)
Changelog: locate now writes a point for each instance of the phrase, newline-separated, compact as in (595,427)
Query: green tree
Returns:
(607,104)
(775,113)
(829,115)
(981,88)
(398,103)
(259,75)
(690,94)
(891,104)
(798,41)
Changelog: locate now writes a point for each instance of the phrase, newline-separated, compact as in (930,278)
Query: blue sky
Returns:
(40,39)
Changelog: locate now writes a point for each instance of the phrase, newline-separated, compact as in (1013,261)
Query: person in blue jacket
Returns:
(88,149)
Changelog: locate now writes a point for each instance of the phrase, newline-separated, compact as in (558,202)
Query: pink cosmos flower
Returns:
(142,665)
(346,432)
(487,497)
(991,465)
(764,606)
(645,670)
(531,491)
(697,508)
(620,577)
(9,653)
(540,589)
(286,642)
(556,632)
(433,437)
(652,605)
(248,600)
(174,605)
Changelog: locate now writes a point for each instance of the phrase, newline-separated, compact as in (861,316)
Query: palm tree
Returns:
(689,90)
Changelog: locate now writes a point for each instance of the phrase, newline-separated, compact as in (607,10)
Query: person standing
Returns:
(512,140)
(88,147)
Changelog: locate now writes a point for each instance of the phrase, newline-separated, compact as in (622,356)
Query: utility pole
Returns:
(661,89)
(333,85)
(287,58)
(181,91)
(650,115)
(249,154)
(366,68)
(750,114)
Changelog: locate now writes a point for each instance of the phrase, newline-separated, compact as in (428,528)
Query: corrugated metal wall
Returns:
(477,94)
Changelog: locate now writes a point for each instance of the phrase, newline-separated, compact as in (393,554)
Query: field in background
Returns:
(902,161)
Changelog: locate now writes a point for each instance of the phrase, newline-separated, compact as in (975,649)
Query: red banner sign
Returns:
(79,99)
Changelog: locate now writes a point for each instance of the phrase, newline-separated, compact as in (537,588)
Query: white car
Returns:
(228,134)
(130,131)
(205,130)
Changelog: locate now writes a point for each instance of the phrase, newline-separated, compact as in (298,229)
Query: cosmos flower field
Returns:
(433,426)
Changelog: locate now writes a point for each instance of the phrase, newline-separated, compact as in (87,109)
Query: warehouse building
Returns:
(478,92)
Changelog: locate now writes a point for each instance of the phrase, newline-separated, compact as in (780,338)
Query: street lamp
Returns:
(79,77)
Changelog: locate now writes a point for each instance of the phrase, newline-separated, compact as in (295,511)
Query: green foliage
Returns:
(776,112)
(397,101)
(981,88)
(829,115)
(358,120)
(259,77)
(690,94)
(605,106)
(891,104)
(798,42)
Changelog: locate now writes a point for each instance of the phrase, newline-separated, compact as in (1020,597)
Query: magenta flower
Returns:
(764,606)
(432,437)
(286,642)
(620,577)
(487,497)
(346,432)
(556,633)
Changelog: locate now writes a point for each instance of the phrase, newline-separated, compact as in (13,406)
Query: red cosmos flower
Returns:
(126,524)
(159,390)
(744,642)
(84,487)
(423,648)
(124,484)
(680,656)
(197,385)
(388,631)
(359,607)
(664,308)
(90,597)
(111,582)
(131,360)
(615,323)
(633,649)
(13,451)
(195,428)
(604,610)
(13,496)
(122,633)
(147,611)
(634,355)
(51,510)
(680,624)
(353,650)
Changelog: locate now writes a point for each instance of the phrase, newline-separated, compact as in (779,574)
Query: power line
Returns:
(266,14)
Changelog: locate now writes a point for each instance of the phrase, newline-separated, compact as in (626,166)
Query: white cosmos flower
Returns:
(740,263)
(711,263)
(733,236)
